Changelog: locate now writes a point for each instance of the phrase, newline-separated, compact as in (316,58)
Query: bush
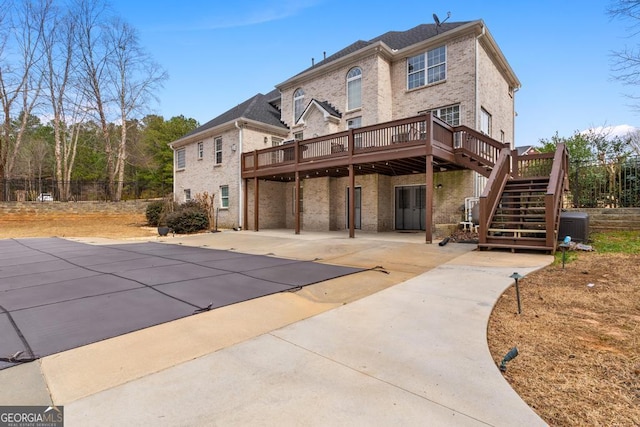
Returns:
(188,220)
(192,204)
(154,212)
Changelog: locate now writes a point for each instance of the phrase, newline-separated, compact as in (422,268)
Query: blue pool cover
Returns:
(57,294)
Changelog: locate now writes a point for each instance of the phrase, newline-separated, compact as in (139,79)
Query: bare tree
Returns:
(634,141)
(20,78)
(93,53)
(133,78)
(58,45)
(626,61)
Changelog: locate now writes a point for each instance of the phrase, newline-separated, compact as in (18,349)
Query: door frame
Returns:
(358,212)
(423,208)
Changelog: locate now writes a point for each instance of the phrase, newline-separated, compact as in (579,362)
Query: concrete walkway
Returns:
(404,348)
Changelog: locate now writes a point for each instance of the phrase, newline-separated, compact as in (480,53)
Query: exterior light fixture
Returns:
(516,277)
(566,243)
(508,357)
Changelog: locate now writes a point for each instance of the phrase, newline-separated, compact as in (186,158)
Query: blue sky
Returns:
(218,55)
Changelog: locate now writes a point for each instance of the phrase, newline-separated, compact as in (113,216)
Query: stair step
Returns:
(518,196)
(523,208)
(536,184)
(533,179)
(514,247)
(516,232)
(525,190)
(523,216)
(515,203)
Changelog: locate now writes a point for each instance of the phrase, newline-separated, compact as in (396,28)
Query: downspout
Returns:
(477,179)
(240,192)
(173,169)
(513,108)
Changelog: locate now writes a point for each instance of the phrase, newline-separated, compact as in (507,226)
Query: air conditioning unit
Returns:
(574,224)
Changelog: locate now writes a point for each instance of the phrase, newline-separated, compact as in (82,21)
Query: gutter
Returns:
(240,192)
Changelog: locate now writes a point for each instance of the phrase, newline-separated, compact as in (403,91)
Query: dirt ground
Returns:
(578,339)
(74,225)
(578,335)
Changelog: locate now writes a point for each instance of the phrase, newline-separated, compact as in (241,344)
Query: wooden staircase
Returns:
(519,219)
(521,203)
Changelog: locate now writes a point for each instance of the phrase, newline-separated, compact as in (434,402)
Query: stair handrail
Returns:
(490,197)
(555,192)
(482,146)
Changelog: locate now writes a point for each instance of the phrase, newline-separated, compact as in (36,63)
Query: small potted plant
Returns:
(168,207)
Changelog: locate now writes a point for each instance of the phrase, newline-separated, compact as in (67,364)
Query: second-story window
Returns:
(485,122)
(200,150)
(427,68)
(298,104)
(450,114)
(218,150)
(354,88)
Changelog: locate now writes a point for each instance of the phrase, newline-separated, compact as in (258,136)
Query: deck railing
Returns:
(532,165)
(477,145)
(555,192)
(399,133)
(492,192)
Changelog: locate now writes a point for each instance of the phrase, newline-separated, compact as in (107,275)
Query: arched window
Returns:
(354,88)
(298,103)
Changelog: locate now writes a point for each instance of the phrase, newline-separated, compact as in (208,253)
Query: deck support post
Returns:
(352,202)
(245,195)
(296,202)
(428,211)
(256,203)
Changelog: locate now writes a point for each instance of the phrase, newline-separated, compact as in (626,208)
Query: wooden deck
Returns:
(415,145)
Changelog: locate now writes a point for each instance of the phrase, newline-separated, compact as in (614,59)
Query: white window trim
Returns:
(217,150)
(427,67)
(350,79)
(298,101)
(181,153)
(438,113)
(223,198)
(485,119)
(200,150)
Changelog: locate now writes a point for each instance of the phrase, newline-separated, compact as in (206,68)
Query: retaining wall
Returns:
(130,206)
(601,219)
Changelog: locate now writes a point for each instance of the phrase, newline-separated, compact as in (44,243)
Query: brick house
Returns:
(251,156)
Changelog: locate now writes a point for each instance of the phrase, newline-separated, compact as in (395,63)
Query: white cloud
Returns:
(612,131)
(242,14)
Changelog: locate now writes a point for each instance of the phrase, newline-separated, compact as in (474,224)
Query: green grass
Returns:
(623,242)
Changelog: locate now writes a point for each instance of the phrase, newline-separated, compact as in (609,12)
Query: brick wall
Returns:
(458,88)
(130,206)
(495,98)
(324,201)
(601,219)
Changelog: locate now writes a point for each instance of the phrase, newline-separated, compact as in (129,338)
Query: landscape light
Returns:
(516,276)
(507,357)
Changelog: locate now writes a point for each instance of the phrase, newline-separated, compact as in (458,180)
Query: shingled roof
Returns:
(258,108)
(394,39)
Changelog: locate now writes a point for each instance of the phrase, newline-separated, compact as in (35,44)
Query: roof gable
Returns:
(329,112)
(258,108)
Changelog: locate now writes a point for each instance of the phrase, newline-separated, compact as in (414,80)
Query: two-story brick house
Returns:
(455,71)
